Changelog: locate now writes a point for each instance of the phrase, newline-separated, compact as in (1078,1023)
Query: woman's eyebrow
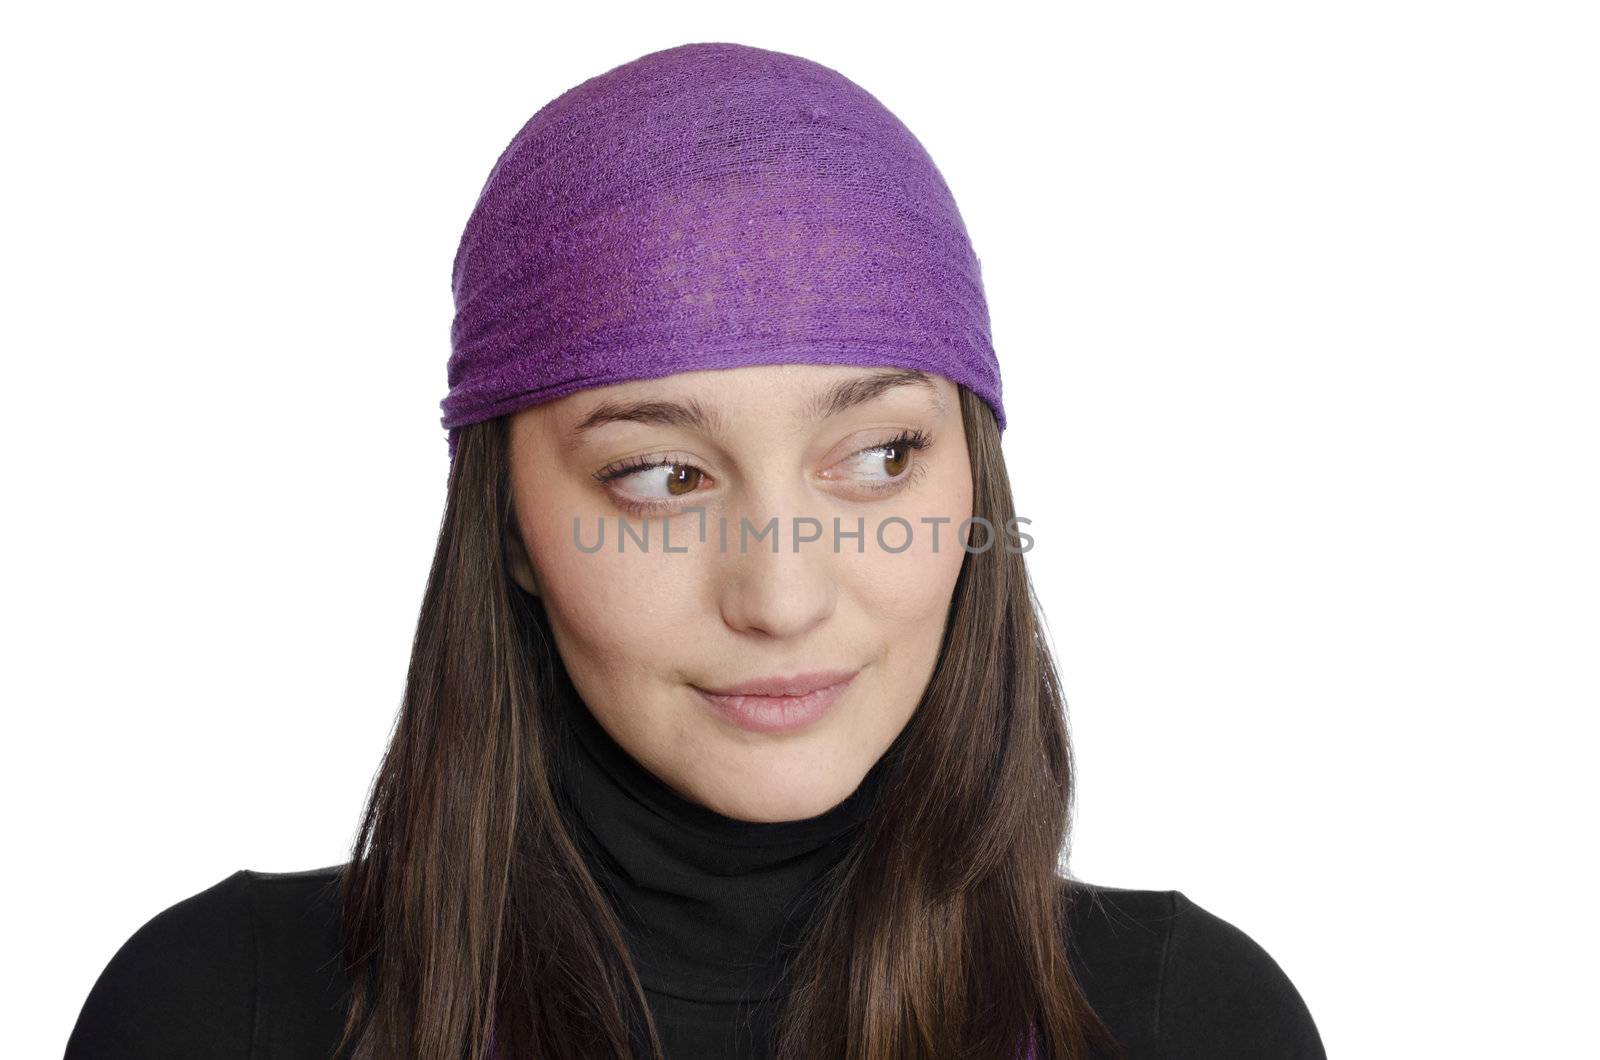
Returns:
(850,392)
(659,413)
(691,414)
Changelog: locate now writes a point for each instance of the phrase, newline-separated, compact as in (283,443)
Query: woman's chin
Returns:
(771,800)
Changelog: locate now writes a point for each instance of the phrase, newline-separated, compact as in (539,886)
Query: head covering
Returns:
(710,206)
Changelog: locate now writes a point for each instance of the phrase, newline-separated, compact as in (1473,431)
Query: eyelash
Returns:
(913,438)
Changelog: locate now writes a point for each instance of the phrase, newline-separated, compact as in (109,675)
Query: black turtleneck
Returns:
(713,908)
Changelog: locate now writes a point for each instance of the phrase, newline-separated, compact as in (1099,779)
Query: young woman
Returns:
(730,728)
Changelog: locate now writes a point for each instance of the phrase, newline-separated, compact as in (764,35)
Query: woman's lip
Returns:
(784,685)
(773,714)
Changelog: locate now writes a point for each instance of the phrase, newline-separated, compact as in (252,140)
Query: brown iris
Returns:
(895,461)
(683,479)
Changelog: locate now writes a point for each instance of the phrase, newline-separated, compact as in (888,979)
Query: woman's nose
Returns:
(771,587)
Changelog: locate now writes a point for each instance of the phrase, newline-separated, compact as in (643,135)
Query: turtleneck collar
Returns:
(712,907)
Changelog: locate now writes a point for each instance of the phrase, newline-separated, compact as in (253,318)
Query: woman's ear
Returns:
(517,560)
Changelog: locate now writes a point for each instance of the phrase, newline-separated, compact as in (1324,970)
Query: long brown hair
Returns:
(467,910)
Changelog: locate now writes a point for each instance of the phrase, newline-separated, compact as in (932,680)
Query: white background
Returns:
(1297,311)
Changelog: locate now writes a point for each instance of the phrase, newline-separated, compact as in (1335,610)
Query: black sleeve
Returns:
(1222,995)
(182,987)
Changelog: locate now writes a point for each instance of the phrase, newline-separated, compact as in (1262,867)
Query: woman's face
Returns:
(642,630)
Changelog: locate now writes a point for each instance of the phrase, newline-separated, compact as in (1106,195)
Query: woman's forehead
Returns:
(712,401)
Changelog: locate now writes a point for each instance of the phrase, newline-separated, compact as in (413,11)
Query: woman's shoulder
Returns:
(1170,978)
(249,966)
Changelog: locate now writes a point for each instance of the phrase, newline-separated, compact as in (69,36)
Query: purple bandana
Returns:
(710,206)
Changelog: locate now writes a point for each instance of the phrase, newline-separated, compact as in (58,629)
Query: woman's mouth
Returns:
(780,703)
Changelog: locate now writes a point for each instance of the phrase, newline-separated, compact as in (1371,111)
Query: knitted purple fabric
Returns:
(710,206)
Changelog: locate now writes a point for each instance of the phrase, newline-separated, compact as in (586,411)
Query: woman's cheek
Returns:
(919,581)
(606,596)
(907,586)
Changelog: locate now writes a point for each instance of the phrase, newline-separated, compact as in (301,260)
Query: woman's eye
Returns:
(880,468)
(652,484)
(663,482)
(881,463)
(886,468)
